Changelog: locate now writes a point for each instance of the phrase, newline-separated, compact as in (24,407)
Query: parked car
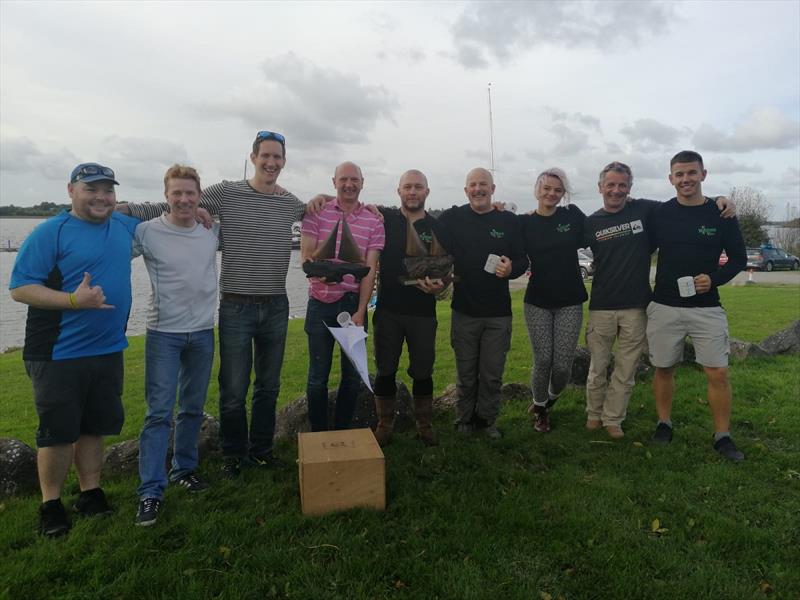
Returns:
(769,259)
(586,262)
(723,259)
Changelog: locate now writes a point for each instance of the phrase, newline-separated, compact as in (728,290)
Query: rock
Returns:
(740,350)
(124,456)
(121,458)
(207,439)
(580,366)
(447,401)
(582,360)
(688,351)
(643,368)
(515,391)
(18,474)
(293,418)
(786,341)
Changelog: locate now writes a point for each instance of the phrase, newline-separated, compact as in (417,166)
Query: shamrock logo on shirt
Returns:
(709,231)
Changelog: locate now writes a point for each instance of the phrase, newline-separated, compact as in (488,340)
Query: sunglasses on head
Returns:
(89,170)
(270,135)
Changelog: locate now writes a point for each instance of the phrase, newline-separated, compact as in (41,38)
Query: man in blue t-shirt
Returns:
(73,271)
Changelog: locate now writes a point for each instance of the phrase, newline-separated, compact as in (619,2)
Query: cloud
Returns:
(411,55)
(314,105)
(789,180)
(726,165)
(761,129)
(141,162)
(23,156)
(482,155)
(648,135)
(587,121)
(570,141)
(501,30)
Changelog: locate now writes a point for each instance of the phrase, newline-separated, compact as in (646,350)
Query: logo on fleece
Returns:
(707,231)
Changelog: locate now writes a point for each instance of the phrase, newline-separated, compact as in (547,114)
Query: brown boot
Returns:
(423,410)
(384,407)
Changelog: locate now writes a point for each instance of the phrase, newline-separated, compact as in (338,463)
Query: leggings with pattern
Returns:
(554,336)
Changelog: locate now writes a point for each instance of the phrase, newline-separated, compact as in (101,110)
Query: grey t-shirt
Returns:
(621,248)
(182,264)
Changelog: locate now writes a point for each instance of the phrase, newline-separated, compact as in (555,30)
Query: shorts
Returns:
(668,326)
(78,396)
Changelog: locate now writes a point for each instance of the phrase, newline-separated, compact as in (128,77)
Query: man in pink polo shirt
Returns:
(349,221)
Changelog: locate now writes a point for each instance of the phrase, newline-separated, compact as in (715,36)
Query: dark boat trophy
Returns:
(420,262)
(351,261)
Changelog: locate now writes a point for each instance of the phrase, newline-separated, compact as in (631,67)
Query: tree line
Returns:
(44,209)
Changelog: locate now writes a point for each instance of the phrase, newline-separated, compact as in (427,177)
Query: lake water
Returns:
(12,314)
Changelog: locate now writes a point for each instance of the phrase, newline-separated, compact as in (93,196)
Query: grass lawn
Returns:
(569,514)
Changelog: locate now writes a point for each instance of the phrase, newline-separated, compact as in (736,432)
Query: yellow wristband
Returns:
(72,300)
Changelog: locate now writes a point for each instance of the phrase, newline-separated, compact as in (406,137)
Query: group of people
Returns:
(74,273)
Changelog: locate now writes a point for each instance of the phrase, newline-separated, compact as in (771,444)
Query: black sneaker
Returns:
(92,503)
(551,402)
(231,467)
(266,461)
(192,482)
(53,520)
(727,449)
(663,434)
(148,512)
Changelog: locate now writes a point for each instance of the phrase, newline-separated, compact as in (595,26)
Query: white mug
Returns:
(686,286)
(491,264)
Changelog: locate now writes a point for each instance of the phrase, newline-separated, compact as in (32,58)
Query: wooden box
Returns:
(340,470)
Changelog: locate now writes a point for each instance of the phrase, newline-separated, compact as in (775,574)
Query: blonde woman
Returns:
(553,301)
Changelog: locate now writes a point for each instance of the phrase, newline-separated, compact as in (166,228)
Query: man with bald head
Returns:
(488,249)
(406,312)
(326,300)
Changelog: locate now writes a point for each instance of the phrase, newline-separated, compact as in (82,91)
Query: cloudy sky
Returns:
(393,86)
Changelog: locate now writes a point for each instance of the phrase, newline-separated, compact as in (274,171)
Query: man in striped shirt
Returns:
(256,217)
(327,300)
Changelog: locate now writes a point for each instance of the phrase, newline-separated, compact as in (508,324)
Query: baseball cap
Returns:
(88,172)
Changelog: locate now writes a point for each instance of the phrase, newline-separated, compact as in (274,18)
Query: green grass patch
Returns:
(569,514)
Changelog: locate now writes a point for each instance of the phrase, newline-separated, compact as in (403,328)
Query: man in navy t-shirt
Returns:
(690,235)
(73,271)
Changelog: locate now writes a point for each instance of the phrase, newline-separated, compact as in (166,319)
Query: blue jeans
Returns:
(320,357)
(243,327)
(173,361)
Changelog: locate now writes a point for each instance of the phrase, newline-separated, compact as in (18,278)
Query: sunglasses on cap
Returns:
(86,171)
(271,135)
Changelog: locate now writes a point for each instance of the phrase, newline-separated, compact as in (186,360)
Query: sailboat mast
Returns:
(491,129)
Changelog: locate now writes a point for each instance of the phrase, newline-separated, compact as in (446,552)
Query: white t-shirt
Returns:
(182,264)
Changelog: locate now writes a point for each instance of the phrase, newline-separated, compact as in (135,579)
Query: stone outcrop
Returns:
(17,468)
(580,367)
(293,418)
(124,456)
(18,461)
(786,341)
